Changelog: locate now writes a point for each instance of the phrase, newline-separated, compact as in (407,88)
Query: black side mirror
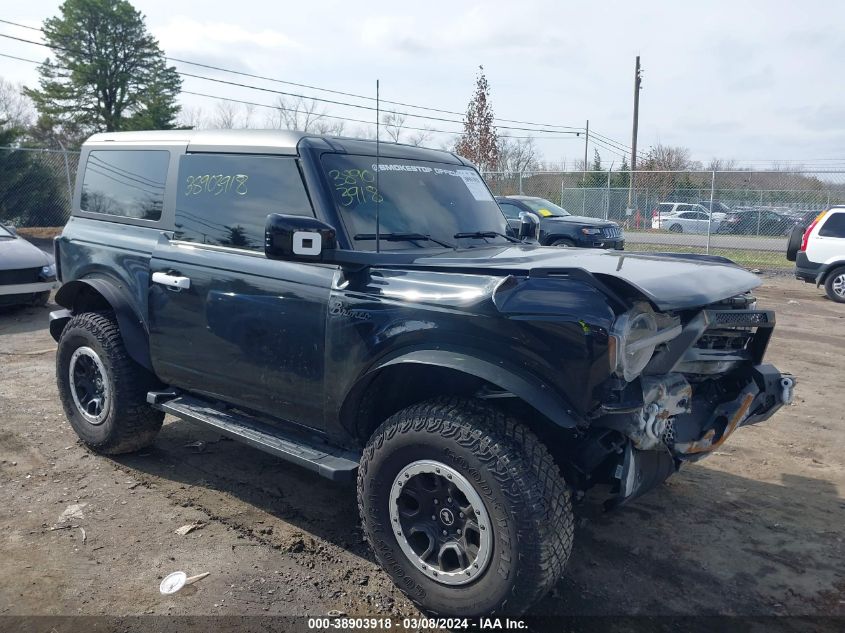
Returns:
(529,226)
(298,238)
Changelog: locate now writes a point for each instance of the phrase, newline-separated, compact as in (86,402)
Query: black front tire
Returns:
(128,423)
(563,243)
(520,487)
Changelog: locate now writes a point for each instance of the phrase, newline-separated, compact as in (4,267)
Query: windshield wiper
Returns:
(482,234)
(402,237)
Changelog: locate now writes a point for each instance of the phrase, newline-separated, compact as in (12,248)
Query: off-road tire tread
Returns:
(136,423)
(534,486)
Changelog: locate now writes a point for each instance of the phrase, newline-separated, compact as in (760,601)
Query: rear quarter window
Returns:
(125,183)
(224,199)
(834,226)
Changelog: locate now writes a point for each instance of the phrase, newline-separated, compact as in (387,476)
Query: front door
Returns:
(225,321)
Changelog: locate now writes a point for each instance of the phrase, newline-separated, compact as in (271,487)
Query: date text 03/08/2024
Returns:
(417,624)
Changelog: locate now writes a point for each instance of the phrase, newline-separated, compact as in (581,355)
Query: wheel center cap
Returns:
(446,516)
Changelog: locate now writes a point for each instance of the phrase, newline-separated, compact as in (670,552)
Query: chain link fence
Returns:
(36,188)
(744,215)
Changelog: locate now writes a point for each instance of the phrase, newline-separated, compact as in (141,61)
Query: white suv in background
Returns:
(819,252)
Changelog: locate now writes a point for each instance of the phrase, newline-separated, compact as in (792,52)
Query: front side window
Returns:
(511,211)
(126,183)
(545,208)
(834,226)
(423,198)
(224,199)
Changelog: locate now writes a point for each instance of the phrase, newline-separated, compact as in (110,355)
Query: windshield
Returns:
(4,232)
(430,200)
(544,208)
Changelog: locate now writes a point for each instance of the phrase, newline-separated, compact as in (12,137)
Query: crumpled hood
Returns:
(18,253)
(669,281)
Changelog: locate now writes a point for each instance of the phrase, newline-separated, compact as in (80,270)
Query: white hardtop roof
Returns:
(269,141)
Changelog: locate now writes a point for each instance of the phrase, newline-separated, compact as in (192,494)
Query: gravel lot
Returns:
(756,529)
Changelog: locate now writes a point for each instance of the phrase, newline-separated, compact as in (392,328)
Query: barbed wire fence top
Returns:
(743,215)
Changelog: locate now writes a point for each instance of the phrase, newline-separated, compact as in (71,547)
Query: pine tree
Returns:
(479,142)
(109,73)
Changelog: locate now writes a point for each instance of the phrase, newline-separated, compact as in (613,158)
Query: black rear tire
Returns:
(676,228)
(518,484)
(794,242)
(834,285)
(118,419)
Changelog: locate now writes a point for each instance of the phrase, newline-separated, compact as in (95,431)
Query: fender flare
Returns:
(534,392)
(133,329)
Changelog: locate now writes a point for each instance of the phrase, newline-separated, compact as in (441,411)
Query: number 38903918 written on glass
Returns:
(355,186)
(216,184)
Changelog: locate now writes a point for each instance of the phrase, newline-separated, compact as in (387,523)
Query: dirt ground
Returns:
(756,529)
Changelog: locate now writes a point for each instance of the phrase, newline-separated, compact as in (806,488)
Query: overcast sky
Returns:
(753,81)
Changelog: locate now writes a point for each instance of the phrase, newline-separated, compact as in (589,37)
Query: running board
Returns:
(332,463)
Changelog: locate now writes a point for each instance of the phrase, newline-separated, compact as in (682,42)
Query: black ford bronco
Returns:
(366,311)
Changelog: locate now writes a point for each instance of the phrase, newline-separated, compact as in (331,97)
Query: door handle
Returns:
(172,281)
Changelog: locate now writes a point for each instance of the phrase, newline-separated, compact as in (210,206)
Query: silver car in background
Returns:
(681,217)
(27,274)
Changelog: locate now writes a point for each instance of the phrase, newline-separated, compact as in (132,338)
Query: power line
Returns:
(613,144)
(327,90)
(320,116)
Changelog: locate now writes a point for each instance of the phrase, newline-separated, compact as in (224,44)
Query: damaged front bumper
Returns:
(652,456)
(696,392)
(767,392)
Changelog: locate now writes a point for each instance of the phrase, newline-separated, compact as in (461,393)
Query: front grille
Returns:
(739,318)
(613,232)
(19,276)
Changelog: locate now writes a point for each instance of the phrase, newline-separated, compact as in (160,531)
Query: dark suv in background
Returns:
(559,228)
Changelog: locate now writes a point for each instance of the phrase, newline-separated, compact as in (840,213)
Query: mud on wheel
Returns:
(464,508)
(103,391)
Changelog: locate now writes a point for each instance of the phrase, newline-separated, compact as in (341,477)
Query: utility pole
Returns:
(638,76)
(586,143)
(584,177)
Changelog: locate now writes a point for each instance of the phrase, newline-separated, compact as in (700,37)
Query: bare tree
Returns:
(517,155)
(392,123)
(296,114)
(329,127)
(246,117)
(192,119)
(16,109)
(421,137)
(718,164)
(668,158)
(225,115)
(367,132)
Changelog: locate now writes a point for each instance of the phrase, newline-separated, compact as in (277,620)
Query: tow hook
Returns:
(653,427)
(787,384)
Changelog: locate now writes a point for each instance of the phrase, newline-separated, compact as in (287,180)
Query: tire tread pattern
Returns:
(135,423)
(539,502)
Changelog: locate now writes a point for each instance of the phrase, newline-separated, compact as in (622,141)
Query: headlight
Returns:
(587,231)
(48,271)
(638,332)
